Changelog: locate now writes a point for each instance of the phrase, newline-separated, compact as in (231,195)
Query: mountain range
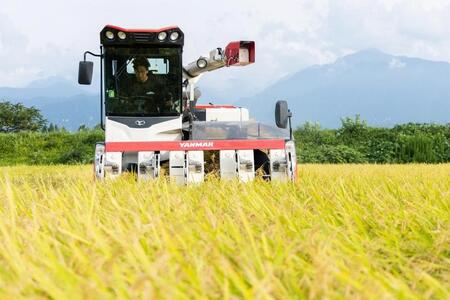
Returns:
(383,89)
(61,101)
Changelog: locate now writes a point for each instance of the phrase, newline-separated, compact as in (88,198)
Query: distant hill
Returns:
(73,111)
(51,87)
(382,88)
(61,101)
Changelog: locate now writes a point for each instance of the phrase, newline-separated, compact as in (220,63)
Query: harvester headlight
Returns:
(162,36)
(202,63)
(121,35)
(174,36)
(109,35)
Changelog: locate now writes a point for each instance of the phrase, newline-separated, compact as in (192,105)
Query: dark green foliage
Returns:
(353,131)
(17,117)
(342,154)
(422,148)
(51,128)
(356,142)
(53,147)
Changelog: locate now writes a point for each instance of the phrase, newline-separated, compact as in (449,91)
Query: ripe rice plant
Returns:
(341,231)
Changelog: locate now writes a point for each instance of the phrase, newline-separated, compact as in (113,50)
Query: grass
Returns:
(341,231)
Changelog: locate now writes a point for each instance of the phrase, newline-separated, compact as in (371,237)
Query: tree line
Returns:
(357,142)
(27,138)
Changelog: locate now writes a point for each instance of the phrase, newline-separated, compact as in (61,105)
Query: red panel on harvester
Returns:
(206,106)
(194,145)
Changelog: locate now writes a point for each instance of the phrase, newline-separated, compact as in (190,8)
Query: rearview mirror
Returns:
(282,114)
(85,70)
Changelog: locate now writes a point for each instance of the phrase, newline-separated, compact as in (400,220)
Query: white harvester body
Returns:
(164,131)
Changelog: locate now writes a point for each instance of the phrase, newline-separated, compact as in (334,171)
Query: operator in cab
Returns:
(146,88)
(144,82)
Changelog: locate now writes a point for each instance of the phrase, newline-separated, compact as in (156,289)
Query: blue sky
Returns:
(45,38)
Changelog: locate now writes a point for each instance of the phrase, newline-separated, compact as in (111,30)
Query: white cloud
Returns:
(395,26)
(43,38)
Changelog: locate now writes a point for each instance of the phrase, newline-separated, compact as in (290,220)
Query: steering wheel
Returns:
(145,103)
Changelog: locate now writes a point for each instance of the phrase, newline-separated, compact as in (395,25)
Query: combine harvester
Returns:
(153,126)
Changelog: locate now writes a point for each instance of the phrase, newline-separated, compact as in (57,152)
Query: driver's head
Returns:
(141,65)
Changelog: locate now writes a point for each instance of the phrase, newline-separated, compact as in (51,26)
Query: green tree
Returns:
(312,133)
(353,130)
(17,117)
(83,128)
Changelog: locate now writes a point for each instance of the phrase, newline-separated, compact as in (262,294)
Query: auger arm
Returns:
(239,53)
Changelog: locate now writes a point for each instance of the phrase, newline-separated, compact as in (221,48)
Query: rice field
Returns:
(338,232)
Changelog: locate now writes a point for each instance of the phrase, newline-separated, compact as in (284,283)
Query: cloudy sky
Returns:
(47,37)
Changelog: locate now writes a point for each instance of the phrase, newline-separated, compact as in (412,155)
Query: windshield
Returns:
(143,81)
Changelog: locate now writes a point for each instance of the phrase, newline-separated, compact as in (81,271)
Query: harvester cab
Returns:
(153,125)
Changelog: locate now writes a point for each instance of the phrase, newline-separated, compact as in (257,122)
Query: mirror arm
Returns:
(93,54)
(102,125)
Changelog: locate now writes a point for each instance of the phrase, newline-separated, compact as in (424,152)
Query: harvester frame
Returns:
(165,128)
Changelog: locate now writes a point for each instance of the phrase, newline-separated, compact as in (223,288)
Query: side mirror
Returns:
(85,70)
(282,114)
